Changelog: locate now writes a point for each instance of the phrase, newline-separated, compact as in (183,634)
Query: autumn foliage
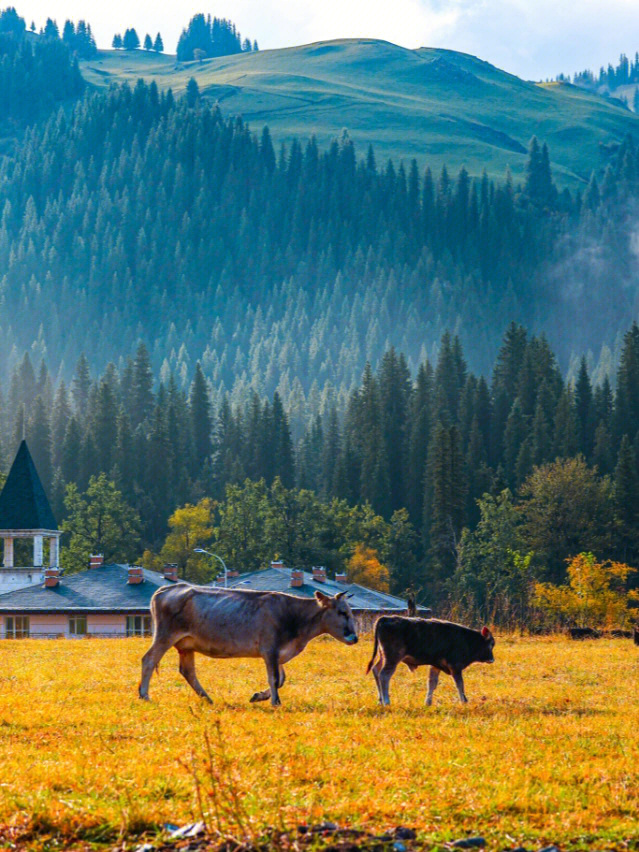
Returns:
(595,595)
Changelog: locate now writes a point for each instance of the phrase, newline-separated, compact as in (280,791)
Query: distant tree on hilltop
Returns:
(158,44)
(213,36)
(148,44)
(130,40)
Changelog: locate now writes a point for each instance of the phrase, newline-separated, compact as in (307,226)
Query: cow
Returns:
(636,635)
(222,623)
(443,645)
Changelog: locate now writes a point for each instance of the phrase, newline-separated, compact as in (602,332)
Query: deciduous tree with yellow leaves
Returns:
(595,595)
(190,526)
(365,568)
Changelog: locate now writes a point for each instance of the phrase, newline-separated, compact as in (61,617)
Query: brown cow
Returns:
(442,645)
(223,623)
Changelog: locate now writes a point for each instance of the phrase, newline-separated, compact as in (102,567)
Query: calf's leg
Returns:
(386,673)
(187,670)
(376,670)
(265,694)
(433,680)
(459,683)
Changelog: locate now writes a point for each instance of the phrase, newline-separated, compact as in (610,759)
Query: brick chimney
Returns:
(319,574)
(277,563)
(135,575)
(231,573)
(51,578)
(96,560)
(171,572)
(341,578)
(297,578)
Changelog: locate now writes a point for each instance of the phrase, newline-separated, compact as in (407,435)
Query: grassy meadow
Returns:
(439,106)
(547,749)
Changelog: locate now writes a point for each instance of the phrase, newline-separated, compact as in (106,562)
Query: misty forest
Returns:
(414,367)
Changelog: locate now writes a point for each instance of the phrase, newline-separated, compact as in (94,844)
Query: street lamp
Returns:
(219,558)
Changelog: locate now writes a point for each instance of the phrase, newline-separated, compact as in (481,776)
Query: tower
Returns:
(25,513)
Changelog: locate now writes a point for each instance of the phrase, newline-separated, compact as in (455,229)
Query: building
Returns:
(366,603)
(25,513)
(105,600)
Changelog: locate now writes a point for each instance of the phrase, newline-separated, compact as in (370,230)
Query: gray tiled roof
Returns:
(279,580)
(103,589)
(23,503)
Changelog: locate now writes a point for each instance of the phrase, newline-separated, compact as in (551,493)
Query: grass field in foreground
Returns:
(546,750)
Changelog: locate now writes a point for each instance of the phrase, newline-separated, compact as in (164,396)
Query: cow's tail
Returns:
(375,648)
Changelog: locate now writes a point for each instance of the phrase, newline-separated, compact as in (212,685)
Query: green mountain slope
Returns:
(436,105)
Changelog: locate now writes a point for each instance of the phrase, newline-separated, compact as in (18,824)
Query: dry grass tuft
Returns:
(546,750)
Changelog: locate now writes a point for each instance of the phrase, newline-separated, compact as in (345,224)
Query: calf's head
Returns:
(337,618)
(486,650)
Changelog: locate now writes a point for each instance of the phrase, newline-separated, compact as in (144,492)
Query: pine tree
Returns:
(201,421)
(584,411)
(142,387)
(148,44)
(81,385)
(626,497)
(158,44)
(117,41)
(39,438)
(130,41)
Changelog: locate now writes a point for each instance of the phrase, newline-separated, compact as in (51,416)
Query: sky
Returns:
(535,39)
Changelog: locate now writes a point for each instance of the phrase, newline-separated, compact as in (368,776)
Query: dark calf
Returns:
(583,633)
(443,645)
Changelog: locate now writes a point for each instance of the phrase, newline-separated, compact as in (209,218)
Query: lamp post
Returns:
(219,558)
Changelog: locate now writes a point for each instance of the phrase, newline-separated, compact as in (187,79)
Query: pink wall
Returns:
(52,626)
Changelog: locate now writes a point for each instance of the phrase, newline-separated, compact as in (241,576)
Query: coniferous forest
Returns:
(315,324)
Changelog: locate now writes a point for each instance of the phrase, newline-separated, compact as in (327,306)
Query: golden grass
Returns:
(546,750)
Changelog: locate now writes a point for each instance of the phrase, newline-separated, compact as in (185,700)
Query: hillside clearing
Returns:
(546,750)
(439,106)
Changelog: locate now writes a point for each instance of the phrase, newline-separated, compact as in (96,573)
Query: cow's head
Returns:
(487,648)
(337,618)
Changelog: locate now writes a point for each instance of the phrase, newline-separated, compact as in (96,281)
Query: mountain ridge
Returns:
(436,105)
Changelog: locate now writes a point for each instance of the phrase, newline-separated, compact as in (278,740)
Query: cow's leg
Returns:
(265,694)
(150,661)
(187,670)
(273,672)
(433,680)
(459,683)
(386,673)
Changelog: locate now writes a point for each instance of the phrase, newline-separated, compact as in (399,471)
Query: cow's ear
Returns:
(485,632)
(322,599)
(340,595)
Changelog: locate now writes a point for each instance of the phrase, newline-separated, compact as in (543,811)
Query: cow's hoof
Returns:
(207,698)
(144,698)
(259,696)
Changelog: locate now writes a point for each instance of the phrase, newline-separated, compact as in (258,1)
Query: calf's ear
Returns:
(485,632)
(322,599)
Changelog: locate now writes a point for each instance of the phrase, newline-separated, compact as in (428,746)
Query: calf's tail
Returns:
(375,647)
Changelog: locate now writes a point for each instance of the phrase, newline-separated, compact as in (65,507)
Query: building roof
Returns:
(103,589)
(23,502)
(274,579)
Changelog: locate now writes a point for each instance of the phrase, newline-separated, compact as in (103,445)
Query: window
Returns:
(138,625)
(16,627)
(78,625)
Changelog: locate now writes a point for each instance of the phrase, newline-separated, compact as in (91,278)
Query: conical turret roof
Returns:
(23,502)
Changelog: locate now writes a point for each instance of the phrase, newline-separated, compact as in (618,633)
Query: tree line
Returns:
(206,37)
(475,481)
(36,74)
